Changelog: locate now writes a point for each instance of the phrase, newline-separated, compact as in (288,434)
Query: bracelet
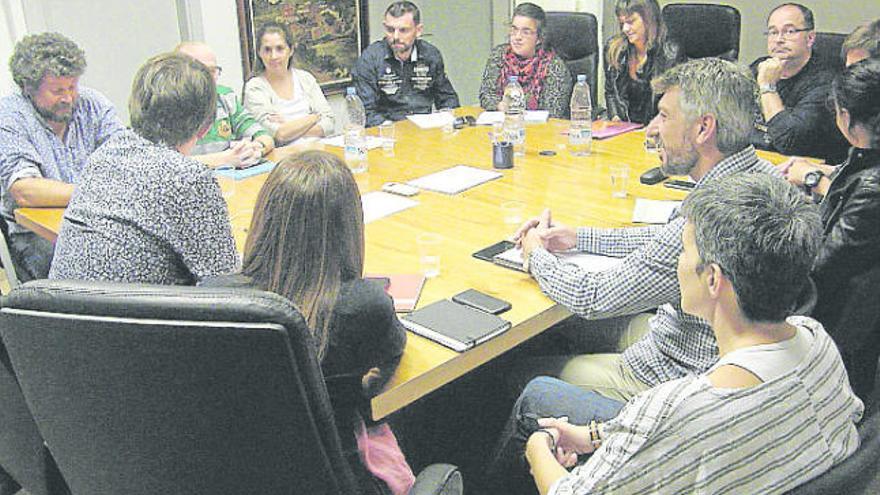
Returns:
(552,439)
(595,436)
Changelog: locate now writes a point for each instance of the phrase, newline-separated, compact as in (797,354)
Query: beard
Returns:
(400,47)
(60,112)
(679,161)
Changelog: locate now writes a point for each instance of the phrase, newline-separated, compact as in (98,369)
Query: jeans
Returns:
(508,473)
(31,254)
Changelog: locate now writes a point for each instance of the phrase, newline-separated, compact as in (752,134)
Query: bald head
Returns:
(201,52)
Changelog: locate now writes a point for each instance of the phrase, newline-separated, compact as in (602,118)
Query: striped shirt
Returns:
(686,436)
(678,344)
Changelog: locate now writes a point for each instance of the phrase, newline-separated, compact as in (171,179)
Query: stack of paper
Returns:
(339,141)
(454,180)
(431,120)
(380,204)
(653,210)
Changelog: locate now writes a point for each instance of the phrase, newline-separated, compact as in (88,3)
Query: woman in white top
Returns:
(285,100)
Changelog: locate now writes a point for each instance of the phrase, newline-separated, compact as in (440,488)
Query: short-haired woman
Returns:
(306,243)
(635,56)
(144,211)
(286,100)
(542,75)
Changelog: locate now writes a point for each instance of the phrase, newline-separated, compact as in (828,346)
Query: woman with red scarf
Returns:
(542,75)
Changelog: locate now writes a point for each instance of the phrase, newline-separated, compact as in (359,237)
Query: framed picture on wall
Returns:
(328,35)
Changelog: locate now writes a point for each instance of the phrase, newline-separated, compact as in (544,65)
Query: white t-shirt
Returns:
(296,107)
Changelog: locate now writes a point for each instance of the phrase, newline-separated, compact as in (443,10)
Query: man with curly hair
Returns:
(47,131)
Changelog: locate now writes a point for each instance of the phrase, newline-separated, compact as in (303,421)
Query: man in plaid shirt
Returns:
(704,126)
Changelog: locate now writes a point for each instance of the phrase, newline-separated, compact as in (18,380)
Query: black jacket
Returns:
(806,127)
(391,89)
(851,220)
(633,100)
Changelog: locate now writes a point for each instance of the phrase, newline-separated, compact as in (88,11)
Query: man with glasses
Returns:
(793,87)
(236,138)
(402,74)
(48,129)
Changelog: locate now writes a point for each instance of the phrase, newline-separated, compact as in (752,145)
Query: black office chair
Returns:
(178,390)
(854,324)
(826,50)
(704,30)
(574,36)
(23,456)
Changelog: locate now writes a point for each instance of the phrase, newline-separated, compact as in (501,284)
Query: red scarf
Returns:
(530,73)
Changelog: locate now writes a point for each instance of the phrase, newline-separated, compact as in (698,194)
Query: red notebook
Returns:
(603,129)
(404,288)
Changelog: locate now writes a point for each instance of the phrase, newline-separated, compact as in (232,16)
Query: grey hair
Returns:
(173,97)
(764,235)
(711,86)
(46,53)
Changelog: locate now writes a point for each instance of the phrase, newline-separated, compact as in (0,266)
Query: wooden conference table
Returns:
(576,189)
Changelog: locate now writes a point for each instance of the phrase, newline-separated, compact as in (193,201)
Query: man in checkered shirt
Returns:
(705,118)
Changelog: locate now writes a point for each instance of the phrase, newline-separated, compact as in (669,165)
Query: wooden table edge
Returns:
(397,398)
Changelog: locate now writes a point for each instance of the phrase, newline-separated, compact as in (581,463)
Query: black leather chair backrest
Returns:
(575,37)
(22,453)
(174,390)
(854,324)
(704,30)
(826,50)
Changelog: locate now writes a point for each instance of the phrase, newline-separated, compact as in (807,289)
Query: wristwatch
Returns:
(812,179)
(768,88)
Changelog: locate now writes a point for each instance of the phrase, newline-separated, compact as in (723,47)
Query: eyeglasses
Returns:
(525,32)
(787,33)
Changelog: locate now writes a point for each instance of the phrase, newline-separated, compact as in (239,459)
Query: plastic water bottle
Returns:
(514,107)
(580,133)
(355,140)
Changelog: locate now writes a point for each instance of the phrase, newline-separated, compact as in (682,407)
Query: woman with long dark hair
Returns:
(286,100)
(542,75)
(851,206)
(306,243)
(639,53)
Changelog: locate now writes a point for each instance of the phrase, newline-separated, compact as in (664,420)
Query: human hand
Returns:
(795,168)
(251,153)
(528,225)
(769,71)
(546,439)
(570,438)
(370,381)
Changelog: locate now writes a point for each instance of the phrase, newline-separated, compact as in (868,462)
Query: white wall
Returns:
(831,15)
(12,28)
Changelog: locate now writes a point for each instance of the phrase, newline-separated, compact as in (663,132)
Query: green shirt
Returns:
(232,123)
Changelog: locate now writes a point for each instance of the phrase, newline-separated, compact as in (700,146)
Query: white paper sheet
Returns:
(339,141)
(530,117)
(653,210)
(454,180)
(431,120)
(380,204)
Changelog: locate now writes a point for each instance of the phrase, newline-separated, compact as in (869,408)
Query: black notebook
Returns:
(454,325)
